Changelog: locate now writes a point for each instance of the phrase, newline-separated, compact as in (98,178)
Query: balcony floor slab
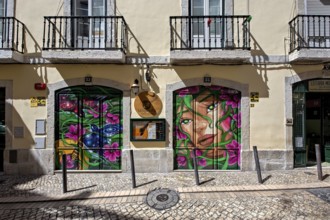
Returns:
(84,56)
(310,56)
(210,56)
(9,56)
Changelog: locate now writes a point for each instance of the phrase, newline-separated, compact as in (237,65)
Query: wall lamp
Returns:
(326,66)
(135,87)
(147,74)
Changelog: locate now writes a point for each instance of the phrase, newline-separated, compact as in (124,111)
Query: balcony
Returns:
(12,38)
(91,39)
(210,39)
(309,39)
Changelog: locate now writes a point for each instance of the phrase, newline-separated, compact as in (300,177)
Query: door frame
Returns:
(245,112)
(9,111)
(50,126)
(93,102)
(207,126)
(289,81)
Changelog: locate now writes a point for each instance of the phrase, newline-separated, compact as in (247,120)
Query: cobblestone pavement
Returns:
(222,195)
(294,204)
(91,182)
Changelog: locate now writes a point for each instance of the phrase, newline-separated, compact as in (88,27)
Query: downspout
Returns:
(190,33)
(72,13)
(223,24)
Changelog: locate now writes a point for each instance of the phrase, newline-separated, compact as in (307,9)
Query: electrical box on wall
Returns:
(40,127)
(40,142)
(40,86)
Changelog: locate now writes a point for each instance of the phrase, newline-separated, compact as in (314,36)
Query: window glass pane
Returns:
(198,26)
(81,8)
(214,7)
(2,7)
(198,8)
(98,8)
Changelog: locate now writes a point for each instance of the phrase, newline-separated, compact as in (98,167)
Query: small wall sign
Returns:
(321,85)
(40,127)
(37,101)
(88,79)
(254,96)
(147,129)
(18,132)
(207,79)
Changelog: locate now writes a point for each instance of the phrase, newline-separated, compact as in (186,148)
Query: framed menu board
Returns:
(147,129)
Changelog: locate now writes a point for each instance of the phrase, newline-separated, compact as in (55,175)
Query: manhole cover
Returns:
(162,198)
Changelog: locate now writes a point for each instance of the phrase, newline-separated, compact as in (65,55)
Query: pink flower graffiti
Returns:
(112,152)
(75,132)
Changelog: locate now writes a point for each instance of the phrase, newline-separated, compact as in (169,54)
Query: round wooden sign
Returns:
(148,104)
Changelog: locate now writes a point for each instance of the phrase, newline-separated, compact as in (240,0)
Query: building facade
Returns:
(94,79)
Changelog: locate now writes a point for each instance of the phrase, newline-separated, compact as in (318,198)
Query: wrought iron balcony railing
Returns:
(309,31)
(89,33)
(210,32)
(12,34)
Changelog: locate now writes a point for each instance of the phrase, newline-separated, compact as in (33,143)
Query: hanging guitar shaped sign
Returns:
(148,104)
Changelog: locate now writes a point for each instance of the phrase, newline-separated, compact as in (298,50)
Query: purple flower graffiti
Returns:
(189,91)
(202,162)
(179,135)
(112,118)
(182,161)
(234,102)
(95,111)
(198,153)
(112,152)
(237,118)
(75,132)
(234,152)
(69,161)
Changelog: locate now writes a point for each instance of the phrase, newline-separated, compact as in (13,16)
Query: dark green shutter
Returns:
(299,137)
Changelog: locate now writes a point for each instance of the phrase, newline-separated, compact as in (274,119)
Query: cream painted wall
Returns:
(149,24)
(24,77)
(267,124)
(32,13)
(269,24)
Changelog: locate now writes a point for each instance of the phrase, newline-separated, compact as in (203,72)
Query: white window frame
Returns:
(111,7)
(9,8)
(110,11)
(211,40)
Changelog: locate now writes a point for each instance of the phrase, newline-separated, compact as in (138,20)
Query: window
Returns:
(3,4)
(206,30)
(89,31)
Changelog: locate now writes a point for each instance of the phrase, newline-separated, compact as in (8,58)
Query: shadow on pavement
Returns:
(87,187)
(206,181)
(143,184)
(266,178)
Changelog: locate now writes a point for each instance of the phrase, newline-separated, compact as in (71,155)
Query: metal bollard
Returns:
(64,173)
(132,168)
(319,162)
(196,167)
(256,158)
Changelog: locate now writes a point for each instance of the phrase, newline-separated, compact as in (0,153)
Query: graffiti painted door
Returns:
(89,128)
(207,119)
